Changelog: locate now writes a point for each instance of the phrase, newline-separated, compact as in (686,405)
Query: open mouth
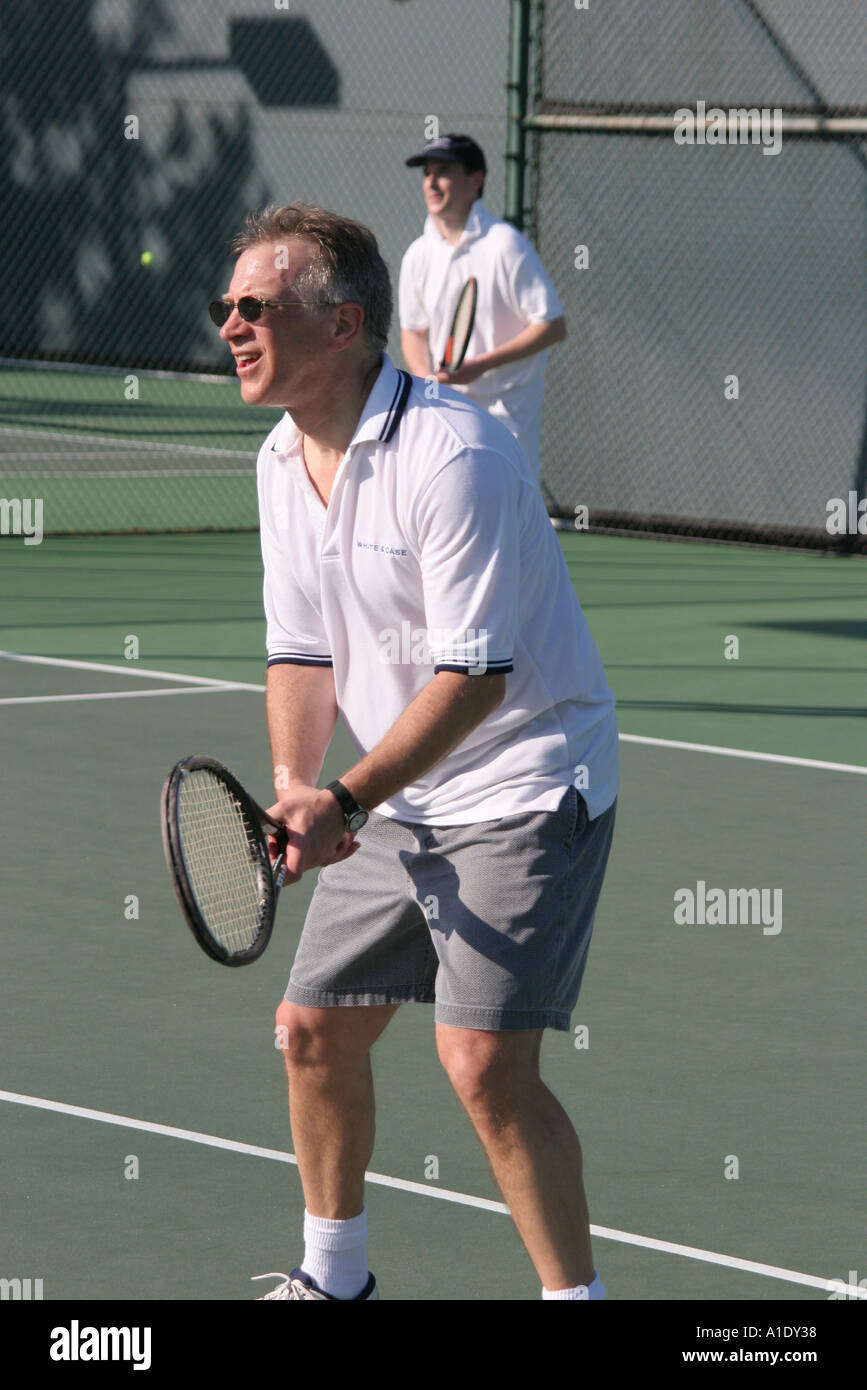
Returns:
(246,361)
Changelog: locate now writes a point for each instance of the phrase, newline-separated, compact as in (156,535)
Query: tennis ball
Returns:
(147,257)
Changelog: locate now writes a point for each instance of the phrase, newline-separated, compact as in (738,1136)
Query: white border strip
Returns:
(788,125)
(141,672)
(119,694)
(128,444)
(742,753)
(145,674)
(214,1141)
(88,369)
(78,473)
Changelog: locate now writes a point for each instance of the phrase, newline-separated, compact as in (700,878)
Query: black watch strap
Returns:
(354,814)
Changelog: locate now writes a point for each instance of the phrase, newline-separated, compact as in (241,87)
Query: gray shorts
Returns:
(491,921)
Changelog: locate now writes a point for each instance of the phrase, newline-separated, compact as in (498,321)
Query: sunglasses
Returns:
(252,309)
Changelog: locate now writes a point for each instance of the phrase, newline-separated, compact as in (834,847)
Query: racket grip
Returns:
(278,833)
(279,871)
(275,832)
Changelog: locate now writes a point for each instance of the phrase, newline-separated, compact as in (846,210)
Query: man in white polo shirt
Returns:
(518,313)
(414,585)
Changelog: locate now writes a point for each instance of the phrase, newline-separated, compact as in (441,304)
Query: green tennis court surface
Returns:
(128,451)
(712,1048)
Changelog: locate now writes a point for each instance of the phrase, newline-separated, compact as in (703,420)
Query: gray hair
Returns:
(347,267)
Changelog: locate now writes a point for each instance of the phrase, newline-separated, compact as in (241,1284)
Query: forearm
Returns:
(301,709)
(438,719)
(536,337)
(416,351)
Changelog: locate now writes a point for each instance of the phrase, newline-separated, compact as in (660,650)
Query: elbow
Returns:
(558,330)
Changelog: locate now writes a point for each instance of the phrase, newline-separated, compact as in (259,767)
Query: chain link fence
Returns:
(136,135)
(139,126)
(715,378)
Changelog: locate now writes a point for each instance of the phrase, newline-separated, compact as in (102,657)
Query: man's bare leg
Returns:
(530,1144)
(331,1104)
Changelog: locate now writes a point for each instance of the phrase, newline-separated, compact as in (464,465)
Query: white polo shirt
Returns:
(436,553)
(513,292)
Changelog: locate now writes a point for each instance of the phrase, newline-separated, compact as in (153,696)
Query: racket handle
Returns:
(279,870)
(278,833)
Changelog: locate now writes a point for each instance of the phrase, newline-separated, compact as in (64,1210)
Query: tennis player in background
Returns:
(518,313)
(413,584)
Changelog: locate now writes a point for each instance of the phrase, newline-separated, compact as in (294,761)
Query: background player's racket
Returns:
(462,327)
(216,848)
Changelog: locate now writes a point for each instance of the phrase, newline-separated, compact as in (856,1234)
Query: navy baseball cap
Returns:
(458,148)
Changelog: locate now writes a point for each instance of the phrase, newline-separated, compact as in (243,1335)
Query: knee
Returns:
(328,1036)
(301,1034)
(479,1069)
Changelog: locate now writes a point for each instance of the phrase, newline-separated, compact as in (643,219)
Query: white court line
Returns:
(120,694)
(624,738)
(141,672)
(127,473)
(192,1136)
(128,446)
(24,364)
(742,753)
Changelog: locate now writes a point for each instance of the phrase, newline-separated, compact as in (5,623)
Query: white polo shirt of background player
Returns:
(513,292)
(435,553)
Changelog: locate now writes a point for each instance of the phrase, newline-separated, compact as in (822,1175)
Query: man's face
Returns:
(448,189)
(277,357)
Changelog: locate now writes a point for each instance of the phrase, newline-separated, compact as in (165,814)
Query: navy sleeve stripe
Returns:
(490,668)
(300,661)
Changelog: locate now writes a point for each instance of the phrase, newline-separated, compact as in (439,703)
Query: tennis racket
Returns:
(215,840)
(462,327)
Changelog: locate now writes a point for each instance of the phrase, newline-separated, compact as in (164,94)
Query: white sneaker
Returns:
(300,1285)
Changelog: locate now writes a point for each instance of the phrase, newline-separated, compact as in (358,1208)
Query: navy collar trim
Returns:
(397,407)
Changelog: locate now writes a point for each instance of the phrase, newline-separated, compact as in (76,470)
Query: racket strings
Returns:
(462,327)
(222,857)
(463,323)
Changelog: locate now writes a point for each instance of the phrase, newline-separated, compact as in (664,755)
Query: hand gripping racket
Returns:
(216,848)
(462,327)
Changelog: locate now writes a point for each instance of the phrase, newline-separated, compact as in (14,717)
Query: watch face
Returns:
(357,820)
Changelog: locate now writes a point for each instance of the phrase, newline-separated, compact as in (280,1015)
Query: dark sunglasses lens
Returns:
(250,309)
(219,311)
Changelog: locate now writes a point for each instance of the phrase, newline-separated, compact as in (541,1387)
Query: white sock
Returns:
(582,1291)
(335,1254)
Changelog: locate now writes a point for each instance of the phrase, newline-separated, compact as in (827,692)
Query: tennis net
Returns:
(118,450)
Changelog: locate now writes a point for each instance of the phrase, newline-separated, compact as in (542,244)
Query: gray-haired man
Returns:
(473,883)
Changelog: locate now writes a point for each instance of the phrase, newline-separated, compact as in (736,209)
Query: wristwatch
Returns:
(354,815)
